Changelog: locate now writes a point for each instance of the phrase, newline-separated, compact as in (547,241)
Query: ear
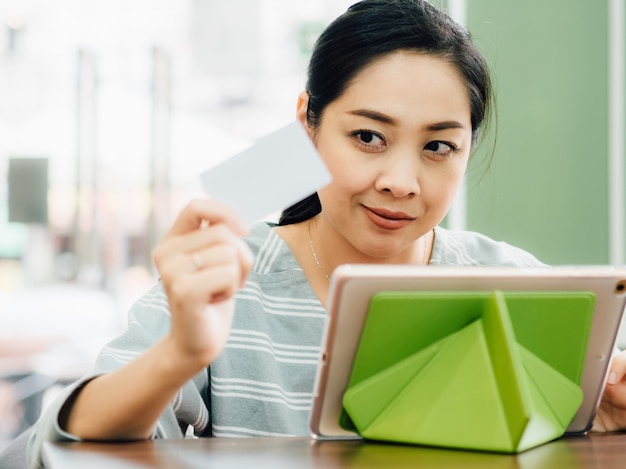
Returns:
(301,110)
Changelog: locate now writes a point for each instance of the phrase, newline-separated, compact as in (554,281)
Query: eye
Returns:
(441,149)
(368,140)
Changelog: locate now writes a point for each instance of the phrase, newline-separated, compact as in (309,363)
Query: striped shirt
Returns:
(262,383)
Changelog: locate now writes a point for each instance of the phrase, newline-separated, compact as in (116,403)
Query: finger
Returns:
(223,282)
(618,368)
(241,254)
(171,248)
(208,258)
(209,211)
(210,285)
(192,263)
(198,239)
(197,260)
(234,268)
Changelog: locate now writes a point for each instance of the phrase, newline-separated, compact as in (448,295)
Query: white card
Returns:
(279,170)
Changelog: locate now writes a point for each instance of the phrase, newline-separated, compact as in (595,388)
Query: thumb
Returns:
(618,368)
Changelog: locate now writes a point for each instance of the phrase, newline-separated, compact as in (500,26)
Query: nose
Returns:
(399,174)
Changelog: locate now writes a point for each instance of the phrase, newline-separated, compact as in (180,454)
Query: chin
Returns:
(383,253)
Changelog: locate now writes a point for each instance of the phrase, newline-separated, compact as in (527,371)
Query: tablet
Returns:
(354,285)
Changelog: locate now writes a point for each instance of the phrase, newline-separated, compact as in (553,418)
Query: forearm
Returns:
(127,403)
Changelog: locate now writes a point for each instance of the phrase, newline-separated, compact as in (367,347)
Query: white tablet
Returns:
(353,286)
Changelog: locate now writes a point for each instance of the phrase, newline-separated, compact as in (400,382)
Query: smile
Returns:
(387,219)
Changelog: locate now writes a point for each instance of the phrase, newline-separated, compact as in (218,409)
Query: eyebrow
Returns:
(374,115)
(385,119)
(445,125)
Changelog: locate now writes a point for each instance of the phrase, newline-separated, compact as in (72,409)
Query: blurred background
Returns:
(110,110)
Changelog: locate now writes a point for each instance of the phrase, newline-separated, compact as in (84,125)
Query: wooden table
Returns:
(595,451)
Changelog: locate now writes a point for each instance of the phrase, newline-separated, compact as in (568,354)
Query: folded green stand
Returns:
(493,371)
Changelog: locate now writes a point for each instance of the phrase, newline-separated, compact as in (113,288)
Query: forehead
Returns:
(409,85)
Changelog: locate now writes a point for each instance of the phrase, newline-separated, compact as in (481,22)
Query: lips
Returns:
(387,219)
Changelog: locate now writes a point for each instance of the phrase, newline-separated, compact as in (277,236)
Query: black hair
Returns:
(371,29)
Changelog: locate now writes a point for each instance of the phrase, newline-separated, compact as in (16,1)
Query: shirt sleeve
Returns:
(469,248)
(148,321)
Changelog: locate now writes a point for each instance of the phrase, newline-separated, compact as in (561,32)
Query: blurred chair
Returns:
(14,455)
(48,337)
(21,400)
(23,396)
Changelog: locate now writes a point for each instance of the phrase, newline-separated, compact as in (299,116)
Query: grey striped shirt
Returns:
(262,383)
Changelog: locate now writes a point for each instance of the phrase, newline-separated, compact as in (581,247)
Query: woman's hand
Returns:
(202,260)
(612,412)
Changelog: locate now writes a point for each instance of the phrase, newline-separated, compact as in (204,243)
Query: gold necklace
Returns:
(317,261)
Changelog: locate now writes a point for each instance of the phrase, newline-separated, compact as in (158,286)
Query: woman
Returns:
(227,342)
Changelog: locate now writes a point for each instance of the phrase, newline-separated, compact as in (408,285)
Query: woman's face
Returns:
(396,143)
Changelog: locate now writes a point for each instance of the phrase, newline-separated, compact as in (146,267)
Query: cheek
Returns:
(441,187)
(344,186)
(349,174)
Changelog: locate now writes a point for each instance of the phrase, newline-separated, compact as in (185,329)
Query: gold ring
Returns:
(197,260)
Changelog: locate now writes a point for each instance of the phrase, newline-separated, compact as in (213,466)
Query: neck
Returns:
(314,253)
(330,249)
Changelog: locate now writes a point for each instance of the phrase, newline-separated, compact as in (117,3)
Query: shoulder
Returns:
(276,281)
(456,247)
(271,253)
(258,235)
(275,266)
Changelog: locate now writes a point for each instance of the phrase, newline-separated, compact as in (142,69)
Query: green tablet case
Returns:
(493,371)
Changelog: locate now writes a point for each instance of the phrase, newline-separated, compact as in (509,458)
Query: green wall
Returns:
(547,187)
